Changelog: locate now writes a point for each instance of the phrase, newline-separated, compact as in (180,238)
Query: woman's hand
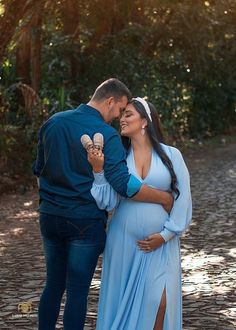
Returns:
(96,159)
(151,243)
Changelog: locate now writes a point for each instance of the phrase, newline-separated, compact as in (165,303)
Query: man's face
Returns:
(116,108)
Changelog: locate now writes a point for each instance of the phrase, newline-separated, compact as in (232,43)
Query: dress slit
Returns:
(163,296)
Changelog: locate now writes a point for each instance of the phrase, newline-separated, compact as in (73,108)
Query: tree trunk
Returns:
(36,47)
(23,66)
(70,16)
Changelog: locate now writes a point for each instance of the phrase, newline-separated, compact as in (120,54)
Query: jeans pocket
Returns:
(89,229)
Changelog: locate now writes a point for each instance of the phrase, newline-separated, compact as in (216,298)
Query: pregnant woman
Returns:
(141,277)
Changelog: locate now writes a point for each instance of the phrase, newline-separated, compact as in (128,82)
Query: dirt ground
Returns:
(208,250)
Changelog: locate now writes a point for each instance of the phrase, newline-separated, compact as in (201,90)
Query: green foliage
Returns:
(18,132)
(180,55)
(17,148)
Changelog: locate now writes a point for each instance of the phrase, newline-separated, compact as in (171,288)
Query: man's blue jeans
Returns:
(72,247)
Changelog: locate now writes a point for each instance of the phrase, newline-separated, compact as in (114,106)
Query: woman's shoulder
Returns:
(171,151)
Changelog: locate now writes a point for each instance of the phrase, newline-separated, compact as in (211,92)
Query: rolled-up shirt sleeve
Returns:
(105,196)
(134,185)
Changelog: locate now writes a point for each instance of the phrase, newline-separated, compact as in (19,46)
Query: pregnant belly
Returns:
(139,220)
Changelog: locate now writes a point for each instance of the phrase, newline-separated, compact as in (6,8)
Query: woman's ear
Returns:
(144,123)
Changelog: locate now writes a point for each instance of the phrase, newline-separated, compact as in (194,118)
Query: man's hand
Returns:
(168,204)
(151,243)
(96,159)
(152,195)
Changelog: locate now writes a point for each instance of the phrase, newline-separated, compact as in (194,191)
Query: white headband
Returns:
(145,105)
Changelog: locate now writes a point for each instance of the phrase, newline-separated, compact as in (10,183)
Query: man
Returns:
(72,226)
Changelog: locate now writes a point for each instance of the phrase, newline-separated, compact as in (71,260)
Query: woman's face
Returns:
(130,122)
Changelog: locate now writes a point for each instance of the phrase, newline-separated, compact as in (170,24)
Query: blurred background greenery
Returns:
(180,54)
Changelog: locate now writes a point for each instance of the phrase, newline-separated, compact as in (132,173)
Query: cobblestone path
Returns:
(208,251)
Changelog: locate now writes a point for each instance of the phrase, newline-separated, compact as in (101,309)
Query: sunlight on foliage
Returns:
(2,9)
(180,55)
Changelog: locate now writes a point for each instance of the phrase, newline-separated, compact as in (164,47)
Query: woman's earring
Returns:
(143,131)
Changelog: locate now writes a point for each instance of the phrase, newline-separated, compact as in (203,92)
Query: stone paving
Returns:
(208,251)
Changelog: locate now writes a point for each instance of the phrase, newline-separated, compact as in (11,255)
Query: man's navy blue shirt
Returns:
(64,173)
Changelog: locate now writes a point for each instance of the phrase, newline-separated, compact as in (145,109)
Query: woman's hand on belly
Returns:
(151,243)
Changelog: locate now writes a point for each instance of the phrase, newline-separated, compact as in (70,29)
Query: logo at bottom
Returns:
(25,307)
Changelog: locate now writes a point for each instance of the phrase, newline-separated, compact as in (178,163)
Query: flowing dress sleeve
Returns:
(103,193)
(181,213)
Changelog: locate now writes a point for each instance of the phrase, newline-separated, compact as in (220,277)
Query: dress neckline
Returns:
(134,165)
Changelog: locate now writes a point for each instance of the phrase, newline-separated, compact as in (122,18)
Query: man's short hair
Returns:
(111,88)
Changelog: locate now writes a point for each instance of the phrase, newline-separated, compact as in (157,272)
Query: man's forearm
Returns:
(151,195)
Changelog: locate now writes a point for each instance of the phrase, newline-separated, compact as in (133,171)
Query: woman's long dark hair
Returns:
(156,137)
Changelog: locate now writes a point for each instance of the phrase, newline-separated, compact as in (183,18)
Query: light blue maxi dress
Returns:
(133,281)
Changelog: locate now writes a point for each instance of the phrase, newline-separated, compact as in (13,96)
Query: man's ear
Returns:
(110,102)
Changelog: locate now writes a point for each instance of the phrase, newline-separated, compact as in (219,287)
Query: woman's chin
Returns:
(123,133)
